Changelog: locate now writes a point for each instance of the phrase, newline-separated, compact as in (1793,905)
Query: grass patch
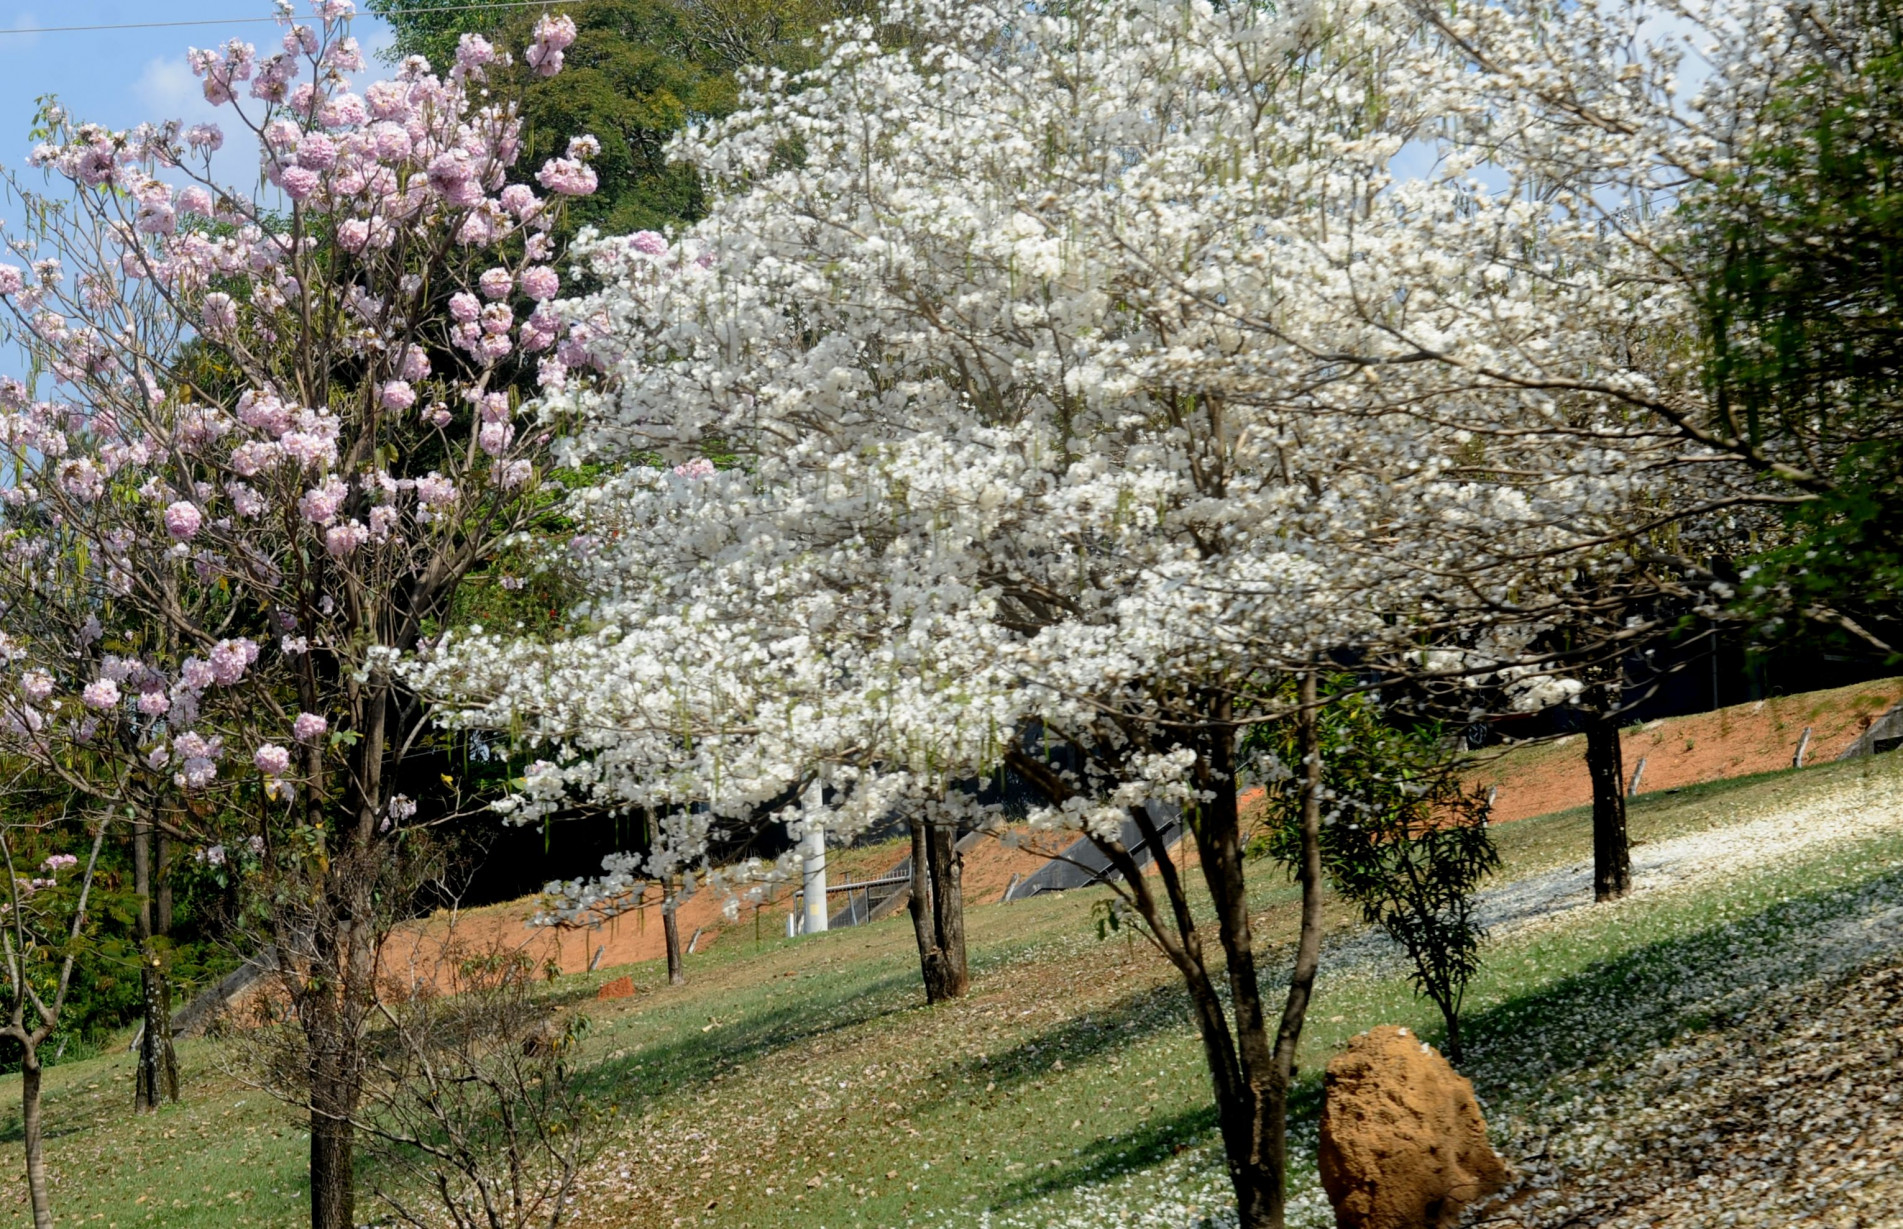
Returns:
(802,1083)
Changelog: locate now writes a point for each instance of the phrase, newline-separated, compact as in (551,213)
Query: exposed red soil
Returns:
(1537,779)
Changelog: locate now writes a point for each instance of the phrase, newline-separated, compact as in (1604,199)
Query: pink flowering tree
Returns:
(273,436)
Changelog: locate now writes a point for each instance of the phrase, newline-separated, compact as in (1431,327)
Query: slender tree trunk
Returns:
(333,1169)
(162,894)
(157,1076)
(333,1160)
(1307,952)
(670,928)
(1452,1017)
(31,1132)
(920,907)
(337,994)
(1611,854)
(938,910)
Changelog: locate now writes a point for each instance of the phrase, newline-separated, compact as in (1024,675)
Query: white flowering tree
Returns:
(1087,376)
(268,440)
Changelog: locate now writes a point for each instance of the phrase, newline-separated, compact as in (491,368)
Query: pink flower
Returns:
(244,501)
(415,363)
(465,307)
(397,395)
(557,30)
(477,229)
(218,314)
(495,283)
(253,456)
(319,505)
(343,111)
(495,437)
(182,520)
(206,138)
(228,659)
(648,243)
(12,279)
(196,200)
(341,540)
(317,152)
(353,234)
(272,760)
(388,100)
(154,703)
(391,142)
(197,773)
(298,182)
(100,694)
(493,407)
(433,490)
(540,283)
(552,36)
(699,467)
(520,200)
(566,177)
(472,52)
(36,685)
(309,726)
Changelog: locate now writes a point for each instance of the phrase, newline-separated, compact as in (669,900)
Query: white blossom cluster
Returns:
(1083,369)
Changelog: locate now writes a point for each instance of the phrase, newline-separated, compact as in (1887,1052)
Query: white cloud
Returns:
(12,43)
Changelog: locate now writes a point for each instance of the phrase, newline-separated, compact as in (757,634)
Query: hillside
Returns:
(1538,778)
(800,1083)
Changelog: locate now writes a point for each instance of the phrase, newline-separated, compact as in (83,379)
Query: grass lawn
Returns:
(803,1083)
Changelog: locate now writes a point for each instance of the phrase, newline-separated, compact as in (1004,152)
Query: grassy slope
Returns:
(803,1084)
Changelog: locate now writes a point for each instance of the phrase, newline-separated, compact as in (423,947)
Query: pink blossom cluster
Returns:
(413,233)
(553,35)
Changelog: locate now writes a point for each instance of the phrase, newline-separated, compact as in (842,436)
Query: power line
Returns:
(244,21)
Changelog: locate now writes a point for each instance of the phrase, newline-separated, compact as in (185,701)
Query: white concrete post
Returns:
(814,847)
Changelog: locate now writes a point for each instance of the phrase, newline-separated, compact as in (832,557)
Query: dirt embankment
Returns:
(414,953)
(1678,751)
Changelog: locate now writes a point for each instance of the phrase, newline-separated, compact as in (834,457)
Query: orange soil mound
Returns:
(1731,742)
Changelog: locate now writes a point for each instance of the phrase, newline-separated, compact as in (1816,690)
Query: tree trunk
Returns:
(1250,1076)
(670,928)
(30,1130)
(156,1079)
(162,894)
(920,907)
(938,910)
(333,1177)
(1307,949)
(1611,855)
(333,1160)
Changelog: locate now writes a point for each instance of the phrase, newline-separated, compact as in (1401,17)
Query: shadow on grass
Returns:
(687,1060)
(1134,1017)
(1151,1142)
(1711,977)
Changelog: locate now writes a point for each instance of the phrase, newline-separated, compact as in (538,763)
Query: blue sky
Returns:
(121,77)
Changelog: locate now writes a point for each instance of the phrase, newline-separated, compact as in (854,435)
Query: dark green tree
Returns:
(1801,255)
(638,72)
